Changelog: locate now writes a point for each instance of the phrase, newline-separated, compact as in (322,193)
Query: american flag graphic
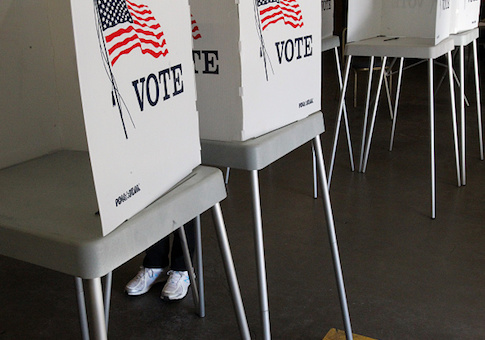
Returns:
(272,11)
(127,25)
(195,29)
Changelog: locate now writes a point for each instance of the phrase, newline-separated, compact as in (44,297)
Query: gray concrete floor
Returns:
(406,276)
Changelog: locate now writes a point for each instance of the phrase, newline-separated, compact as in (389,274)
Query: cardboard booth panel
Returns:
(363,19)
(465,15)
(268,65)
(40,105)
(327,18)
(62,89)
(428,19)
(138,95)
(217,68)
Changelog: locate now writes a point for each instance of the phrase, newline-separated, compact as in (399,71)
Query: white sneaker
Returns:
(177,285)
(144,280)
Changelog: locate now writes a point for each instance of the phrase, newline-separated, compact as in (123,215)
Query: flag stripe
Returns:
(141,30)
(133,38)
(144,51)
(195,29)
(287,11)
(120,32)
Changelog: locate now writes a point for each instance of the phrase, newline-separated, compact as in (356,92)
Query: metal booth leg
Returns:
(200,267)
(83,318)
(371,128)
(339,117)
(81,303)
(230,271)
(96,308)
(453,116)
(258,244)
(188,263)
(431,123)
(315,179)
(366,112)
(226,179)
(462,113)
(479,105)
(333,238)
(108,280)
(396,103)
(346,118)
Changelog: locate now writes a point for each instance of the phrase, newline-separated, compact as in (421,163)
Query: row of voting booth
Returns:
(431,19)
(425,30)
(94,82)
(138,84)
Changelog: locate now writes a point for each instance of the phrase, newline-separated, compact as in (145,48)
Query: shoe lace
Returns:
(174,276)
(143,272)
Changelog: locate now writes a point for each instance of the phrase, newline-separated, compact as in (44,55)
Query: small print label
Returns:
(127,195)
(305,103)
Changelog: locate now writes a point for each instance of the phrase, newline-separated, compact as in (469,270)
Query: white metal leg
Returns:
(462,114)
(230,271)
(396,103)
(457,80)
(346,118)
(479,106)
(226,179)
(188,264)
(342,109)
(453,116)
(371,127)
(81,303)
(260,262)
(432,146)
(315,179)
(366,113)
(388,94)
(332,238)
(96,309)
(200,267)
(108,280)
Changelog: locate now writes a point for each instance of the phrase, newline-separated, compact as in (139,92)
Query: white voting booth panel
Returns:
(327,18)
(257,65)
(111,77)
(428,19)
(465,15)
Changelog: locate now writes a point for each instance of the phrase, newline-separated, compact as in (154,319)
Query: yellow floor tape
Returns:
(335,334)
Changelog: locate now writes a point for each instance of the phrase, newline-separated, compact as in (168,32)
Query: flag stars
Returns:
(265,2)
(113,12)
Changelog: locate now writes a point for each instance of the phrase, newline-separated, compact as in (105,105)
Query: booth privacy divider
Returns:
(429,19)
(464,15)
(327,18)
(112,77)
(257,65)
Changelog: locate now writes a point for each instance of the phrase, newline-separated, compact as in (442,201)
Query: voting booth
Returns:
(428,19)
(465,15)
(327,18)
(114,78)
(257,65)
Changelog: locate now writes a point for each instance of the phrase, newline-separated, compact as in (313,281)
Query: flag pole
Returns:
(104,53)
(263,50)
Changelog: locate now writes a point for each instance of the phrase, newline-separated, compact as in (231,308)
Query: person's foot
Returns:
(177,285)
(144,280)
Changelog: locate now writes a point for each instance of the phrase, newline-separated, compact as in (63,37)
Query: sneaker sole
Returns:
(141,292)
(174,298)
